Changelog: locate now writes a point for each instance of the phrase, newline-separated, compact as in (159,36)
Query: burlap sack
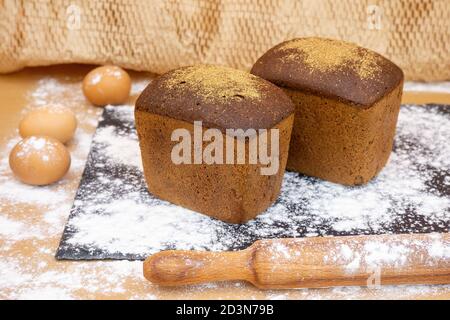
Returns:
(160,35)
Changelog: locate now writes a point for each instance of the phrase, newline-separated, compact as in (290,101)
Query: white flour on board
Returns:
(133,224)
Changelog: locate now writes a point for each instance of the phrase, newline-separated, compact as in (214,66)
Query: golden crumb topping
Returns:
(327,55)
(214,82)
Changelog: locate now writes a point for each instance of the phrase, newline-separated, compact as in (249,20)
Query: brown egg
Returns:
(107,85)
(39,160)
(54,121)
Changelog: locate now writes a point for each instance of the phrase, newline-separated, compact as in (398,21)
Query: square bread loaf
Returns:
(347,101)
(222,99)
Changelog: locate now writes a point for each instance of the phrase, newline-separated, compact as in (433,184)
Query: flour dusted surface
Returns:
(114,216)
(32,219)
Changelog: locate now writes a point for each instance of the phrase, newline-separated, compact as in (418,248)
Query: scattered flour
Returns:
(346,251)
(30,283)
(384,254)
(364,255)
(138,86)
(427,87)
(120,152)
(31,215)
(128,220)
(280,252)
(15,230)
(439,250)
(133,225)
(137,224)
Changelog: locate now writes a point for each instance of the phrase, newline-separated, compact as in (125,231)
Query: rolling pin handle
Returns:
(174,267)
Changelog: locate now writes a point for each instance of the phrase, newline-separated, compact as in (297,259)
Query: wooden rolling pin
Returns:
(312,262)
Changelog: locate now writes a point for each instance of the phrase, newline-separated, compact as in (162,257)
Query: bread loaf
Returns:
(346,99)
(221,98)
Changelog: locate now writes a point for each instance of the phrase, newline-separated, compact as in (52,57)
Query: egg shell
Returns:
(39,160)
(107,85)
(54,121)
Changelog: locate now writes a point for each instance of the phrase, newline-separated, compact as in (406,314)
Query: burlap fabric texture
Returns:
(160,35)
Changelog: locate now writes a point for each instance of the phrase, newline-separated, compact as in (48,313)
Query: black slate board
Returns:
(408,221)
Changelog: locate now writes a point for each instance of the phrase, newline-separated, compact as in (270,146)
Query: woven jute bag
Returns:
(158,35)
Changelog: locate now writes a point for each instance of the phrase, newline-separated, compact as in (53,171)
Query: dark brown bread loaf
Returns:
(347,100)
(222,98)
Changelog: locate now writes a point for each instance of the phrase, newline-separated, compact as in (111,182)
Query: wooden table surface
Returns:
(30,228)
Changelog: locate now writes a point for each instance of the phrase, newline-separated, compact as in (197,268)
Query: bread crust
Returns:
(335,69)
(336,142)
(221,98)
(233,193)
(347,101)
